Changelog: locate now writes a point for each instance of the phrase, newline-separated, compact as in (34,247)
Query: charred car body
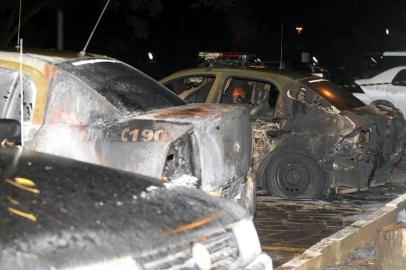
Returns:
(100,110)
(58,213)
(310,136)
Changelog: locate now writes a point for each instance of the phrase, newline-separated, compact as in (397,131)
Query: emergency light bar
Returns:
(227,58)
(227,55)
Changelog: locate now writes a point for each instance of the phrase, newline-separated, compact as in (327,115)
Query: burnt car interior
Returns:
(261,96)
(307,140)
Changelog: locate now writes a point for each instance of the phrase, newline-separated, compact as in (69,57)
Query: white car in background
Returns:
(387,88)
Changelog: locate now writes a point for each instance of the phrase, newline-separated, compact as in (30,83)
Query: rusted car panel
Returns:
(299,117)
(58,213)
(100,110)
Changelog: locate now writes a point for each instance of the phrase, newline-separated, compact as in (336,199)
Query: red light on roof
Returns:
(227,55)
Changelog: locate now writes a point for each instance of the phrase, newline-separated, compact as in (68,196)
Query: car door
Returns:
(262,97)
(397,90)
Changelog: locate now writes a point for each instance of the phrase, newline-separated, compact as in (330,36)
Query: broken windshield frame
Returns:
(123,86)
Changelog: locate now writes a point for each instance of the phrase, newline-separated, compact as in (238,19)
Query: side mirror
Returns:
(10,130)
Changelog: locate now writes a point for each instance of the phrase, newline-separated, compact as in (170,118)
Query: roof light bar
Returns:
(212,59)
(227,55)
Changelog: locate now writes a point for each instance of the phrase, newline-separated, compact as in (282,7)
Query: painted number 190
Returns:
(142,135)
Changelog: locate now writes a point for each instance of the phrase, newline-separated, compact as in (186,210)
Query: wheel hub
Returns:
(293,178)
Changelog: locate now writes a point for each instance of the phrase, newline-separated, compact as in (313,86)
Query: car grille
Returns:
(221,246)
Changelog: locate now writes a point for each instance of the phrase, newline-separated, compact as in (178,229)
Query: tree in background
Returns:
(40,15)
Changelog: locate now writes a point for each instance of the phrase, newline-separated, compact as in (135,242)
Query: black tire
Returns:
(294,176)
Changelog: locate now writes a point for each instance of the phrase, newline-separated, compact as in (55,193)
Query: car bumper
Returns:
(354,159)
(261,262)
(382,172)
(353,171)
(242,191)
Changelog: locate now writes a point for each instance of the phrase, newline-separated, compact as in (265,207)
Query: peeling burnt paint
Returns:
(351,146)
(296,117)
(125,120)
(263,142)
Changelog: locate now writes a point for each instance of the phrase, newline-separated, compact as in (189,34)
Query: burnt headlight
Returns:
(364,137)
(359,139)
(349,144)
(179,167)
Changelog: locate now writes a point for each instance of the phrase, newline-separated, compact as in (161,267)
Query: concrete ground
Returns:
(286,228)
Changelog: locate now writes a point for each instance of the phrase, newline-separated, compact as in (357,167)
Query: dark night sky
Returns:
(339,33)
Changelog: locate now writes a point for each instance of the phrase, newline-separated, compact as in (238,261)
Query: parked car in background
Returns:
(100,110)
(58,213)
(311,136)
(387,88)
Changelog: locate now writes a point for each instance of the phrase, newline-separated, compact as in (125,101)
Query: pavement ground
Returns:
(287,228)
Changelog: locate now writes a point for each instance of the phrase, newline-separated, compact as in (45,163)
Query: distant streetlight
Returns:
(299,29)
(150,56)
(387,32)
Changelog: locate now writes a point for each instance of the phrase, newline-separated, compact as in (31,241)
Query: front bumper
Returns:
(353,159)
(383,170)
(242,191)
(261,262)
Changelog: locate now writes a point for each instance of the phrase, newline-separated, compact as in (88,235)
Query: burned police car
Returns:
(311,137)
(100,110)
(58,213)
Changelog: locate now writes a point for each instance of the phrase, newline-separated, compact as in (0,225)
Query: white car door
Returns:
(396,90)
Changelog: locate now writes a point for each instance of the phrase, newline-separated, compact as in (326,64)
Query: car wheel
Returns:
(294,176)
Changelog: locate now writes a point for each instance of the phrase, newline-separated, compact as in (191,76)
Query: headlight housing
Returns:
(247,239)
(180,164)
(360,140)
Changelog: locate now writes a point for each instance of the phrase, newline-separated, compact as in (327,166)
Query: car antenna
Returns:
(83,52)
(280,61)
(19,25)
(20,47)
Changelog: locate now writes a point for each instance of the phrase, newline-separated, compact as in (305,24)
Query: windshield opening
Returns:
(334,94)
(124,87)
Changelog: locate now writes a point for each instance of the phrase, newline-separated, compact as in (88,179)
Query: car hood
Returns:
(382,116)
(220,137)
(59,213)
(389,122)
(355,119)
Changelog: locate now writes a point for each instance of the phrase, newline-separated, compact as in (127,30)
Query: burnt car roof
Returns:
(49,55)
(54,208)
